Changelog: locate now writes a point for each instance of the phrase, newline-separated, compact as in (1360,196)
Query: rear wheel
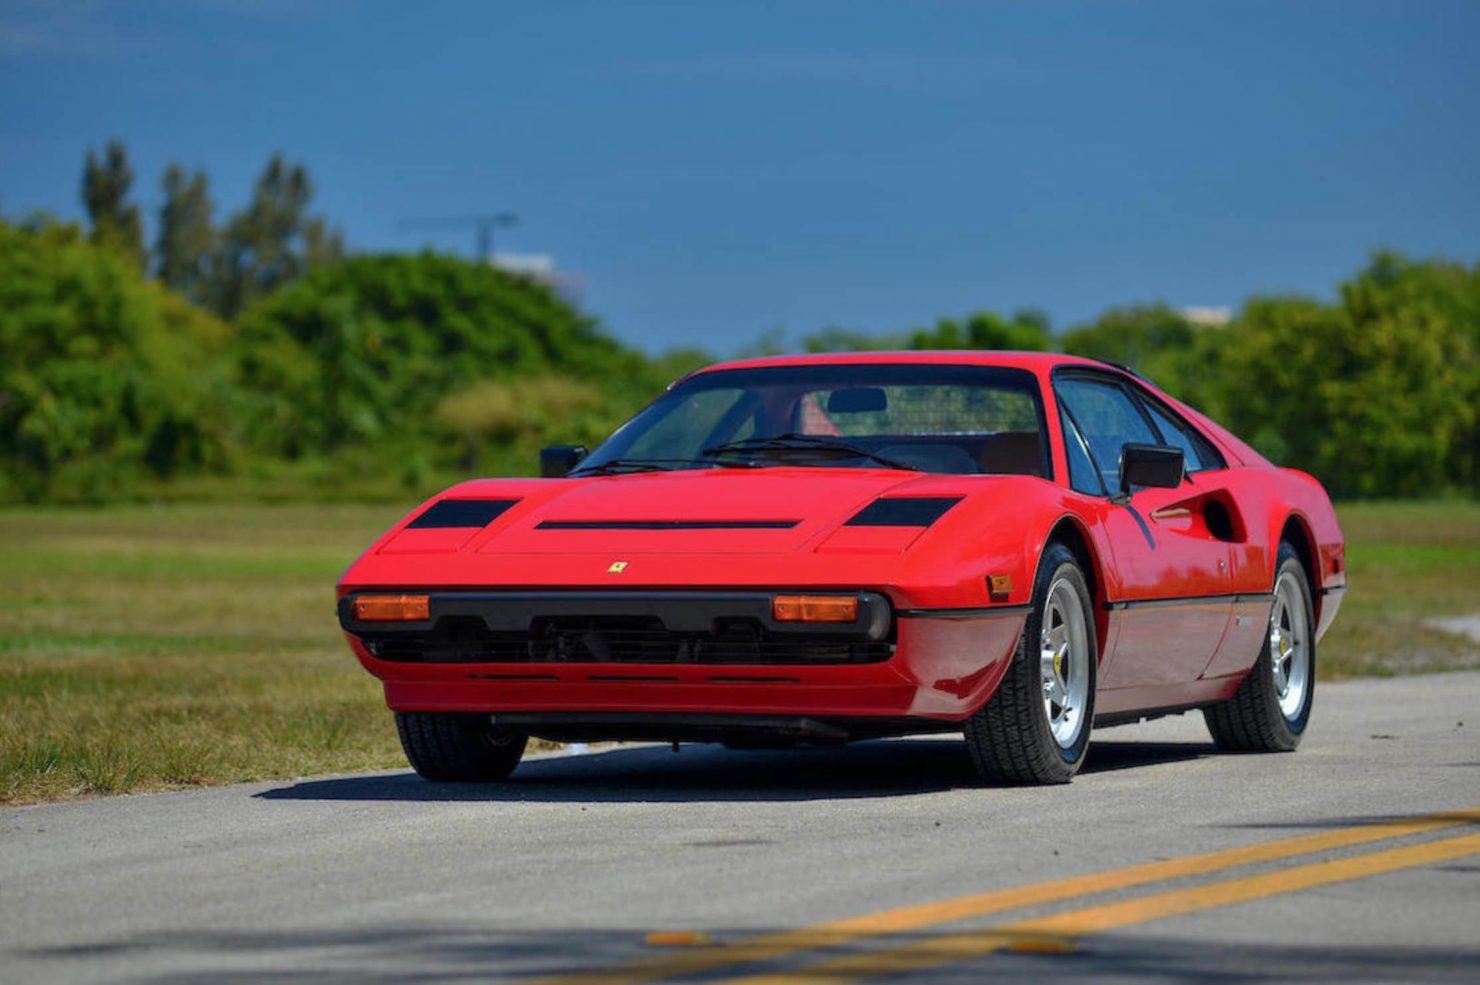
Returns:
(1271,708)
(453,748)
(1035,728)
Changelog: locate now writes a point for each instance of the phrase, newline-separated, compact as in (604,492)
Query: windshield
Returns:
(932,418)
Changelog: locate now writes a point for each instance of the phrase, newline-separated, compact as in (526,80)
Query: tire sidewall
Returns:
(1058,562)
(1289,562)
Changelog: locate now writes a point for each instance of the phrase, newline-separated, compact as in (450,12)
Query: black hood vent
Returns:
(903,511)
(461,513)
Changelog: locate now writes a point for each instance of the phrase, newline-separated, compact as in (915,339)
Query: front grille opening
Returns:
(620,640)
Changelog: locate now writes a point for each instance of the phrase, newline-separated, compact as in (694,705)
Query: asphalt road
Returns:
(1317,869)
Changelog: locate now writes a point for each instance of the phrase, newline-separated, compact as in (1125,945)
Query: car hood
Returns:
(759,511)
(927,545)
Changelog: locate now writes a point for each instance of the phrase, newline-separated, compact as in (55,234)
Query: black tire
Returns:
(1010,738)
(453,748)
(1253,720)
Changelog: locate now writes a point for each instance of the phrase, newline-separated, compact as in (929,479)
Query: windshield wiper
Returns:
(626,466)
(616,466)
(806,443)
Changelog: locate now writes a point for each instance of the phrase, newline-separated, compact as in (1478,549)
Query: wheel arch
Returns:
(1069,532)
(1296,531)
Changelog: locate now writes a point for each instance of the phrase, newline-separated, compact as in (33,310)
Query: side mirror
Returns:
(1150,465)
(556,461)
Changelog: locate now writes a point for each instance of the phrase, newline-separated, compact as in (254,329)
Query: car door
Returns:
(1173,601)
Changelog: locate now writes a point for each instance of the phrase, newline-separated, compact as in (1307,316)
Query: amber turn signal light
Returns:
(393,608)
(999,587)
(814,608)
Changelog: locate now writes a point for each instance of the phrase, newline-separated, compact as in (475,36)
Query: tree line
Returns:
(269,242)
(256,358)
(1376,393)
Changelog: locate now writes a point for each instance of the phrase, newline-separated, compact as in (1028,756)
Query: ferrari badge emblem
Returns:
(617,568)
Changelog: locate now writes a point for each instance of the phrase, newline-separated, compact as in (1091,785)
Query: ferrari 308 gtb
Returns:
(814,549)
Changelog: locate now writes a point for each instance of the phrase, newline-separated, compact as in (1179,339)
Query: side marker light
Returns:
(999,587)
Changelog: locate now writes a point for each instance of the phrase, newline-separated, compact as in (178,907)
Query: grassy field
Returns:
(148,648)
(1406,563)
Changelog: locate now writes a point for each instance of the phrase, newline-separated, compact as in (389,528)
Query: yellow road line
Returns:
(904,919)
(1062,928)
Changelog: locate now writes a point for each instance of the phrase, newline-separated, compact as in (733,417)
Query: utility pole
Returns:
(483,227)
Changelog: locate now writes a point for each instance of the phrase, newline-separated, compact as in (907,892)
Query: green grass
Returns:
(1407,562)
(146,648)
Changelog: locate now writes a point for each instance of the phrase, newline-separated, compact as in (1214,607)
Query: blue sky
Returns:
(713,171)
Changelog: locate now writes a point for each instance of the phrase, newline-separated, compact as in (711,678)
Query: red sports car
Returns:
(813,549)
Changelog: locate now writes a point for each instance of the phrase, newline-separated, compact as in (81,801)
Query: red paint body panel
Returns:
(1174,629)
(943,669)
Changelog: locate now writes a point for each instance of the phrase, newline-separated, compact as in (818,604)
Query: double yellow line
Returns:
(1056,931)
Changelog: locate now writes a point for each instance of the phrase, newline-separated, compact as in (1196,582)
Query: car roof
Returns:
(1038,362)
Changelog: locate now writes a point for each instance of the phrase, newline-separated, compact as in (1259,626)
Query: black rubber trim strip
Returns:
(1141,522)
(1234,597)
(1333,590)
(978,612)
(796,725)
(461,513)
(513,677)
(1253,597)
(666,524)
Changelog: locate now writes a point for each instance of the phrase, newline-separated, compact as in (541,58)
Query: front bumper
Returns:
(622,627)
(684,652)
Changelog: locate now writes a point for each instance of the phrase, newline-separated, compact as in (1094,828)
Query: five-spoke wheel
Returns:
(1035,728)
(1271,708)
(1064,657)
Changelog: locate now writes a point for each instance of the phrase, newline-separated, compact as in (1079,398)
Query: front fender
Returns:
(999,528)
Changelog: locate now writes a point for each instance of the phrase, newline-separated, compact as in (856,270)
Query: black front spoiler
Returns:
(735,729)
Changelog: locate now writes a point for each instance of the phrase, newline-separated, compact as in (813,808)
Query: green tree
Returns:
(1131,336)
(186,238)
(1376,395)
(1026,330)
(107,381)
(273,240)
(106,181)
(369,349)
(523,413)
(848,340)
(1156,341)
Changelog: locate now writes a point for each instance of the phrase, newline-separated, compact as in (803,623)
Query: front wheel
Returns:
(453,748)
(1035,729)
(1271,708)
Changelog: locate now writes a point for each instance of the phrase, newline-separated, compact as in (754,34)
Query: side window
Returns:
(1179,435)
(1082,474)
(1108,419)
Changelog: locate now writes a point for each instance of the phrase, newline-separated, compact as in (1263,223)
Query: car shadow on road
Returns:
(411,951)
(647,774)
